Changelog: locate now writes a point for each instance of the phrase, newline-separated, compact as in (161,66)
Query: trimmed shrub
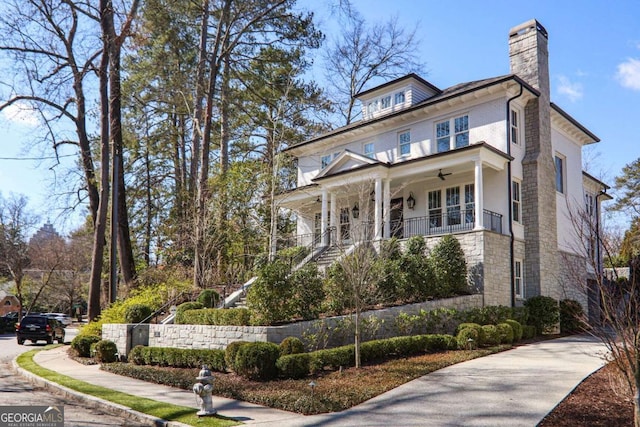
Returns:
(544,313)
(481,336)
(332,358)
(216,316)
(106,351)
(137,313)
(571,316)
(440,342)
(136,355)
(293,366)
(209,298)
(517,329)
(449,267)
(505,333)
(308,292)
(182,308)
(520,314)
(257,360)
(230,353)
(178,357)
(488,315)
(82,344)
(491,335)
(528,332)
(291,345)
(467,339)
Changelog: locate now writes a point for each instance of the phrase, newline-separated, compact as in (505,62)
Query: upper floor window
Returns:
(559,162)
(368,150)
(516,208)
(372,107)
(515,125)
(590,205)
(404,143)
(446,140)
(385,102)
(399,98)
(324,162)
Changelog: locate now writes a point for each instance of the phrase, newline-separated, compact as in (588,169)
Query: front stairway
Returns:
(329,256)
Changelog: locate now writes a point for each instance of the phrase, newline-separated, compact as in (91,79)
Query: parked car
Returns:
(60,317)
(40,328)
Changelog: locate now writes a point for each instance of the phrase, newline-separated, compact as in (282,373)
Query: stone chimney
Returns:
(529,58)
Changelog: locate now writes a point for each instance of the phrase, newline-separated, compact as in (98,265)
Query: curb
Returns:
(96,402)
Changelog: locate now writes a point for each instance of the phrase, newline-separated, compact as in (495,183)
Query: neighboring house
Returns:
(493,162)
(8,303)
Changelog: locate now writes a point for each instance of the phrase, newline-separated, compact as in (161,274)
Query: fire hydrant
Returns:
(203,389)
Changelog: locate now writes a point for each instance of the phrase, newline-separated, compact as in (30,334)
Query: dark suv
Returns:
(40,328)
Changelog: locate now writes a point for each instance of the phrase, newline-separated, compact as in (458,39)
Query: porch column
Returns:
(333,219)
(324,223)
(386,208)
(478,196)
(378,210)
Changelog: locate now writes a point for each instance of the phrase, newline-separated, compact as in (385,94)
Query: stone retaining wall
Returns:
(126,336)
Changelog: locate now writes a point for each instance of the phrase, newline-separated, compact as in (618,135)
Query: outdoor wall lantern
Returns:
(411,202)
(355,211)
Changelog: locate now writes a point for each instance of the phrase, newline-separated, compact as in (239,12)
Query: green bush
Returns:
(571,316)
(332,358)
(488,315)
(182,308)
(216,316)
(106,351)
(528,332)
(468,338)
(293,365)
(517,329)
(270,297)
(137,313)
(491,335)
(208,298)
(257,360)
(481,336)
(520,314)
(449,267)
(82,344)
(308,292)
(418,281)
(505,333)
(178,357)
(291,345)
(230,353)
(544,313)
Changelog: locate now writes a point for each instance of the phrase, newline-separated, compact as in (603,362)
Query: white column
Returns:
(378,210)
(324,217)
(478,198)
(333,218)
(386,208)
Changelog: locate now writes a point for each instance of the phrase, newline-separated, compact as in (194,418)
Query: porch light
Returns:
(411,202)
(355,211)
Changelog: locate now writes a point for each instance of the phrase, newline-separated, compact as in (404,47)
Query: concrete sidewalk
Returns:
(513,388)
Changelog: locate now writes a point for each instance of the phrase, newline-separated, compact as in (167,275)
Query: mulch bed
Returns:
(593,403)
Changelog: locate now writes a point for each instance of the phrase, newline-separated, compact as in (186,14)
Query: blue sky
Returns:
(594,49)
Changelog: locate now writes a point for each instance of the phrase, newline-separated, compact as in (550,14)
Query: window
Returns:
(516,212)
(404,143)
(445,141)
(517,278)
(368,150)
(515,137)
(399,98)
(469,204)
(325,161)
(7,302)
(559,161)
(590,206)
(435,208)
(385,102)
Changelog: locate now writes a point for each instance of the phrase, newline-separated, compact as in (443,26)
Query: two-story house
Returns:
(493,162)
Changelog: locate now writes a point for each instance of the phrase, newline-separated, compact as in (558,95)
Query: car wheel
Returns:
(20,342)
(49,340)
(61,340)
(33,341)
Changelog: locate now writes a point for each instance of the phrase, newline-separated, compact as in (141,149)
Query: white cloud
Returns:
(21,114)
(571,90)
(629,74)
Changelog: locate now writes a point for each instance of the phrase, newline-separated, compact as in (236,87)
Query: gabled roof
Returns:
(443,96)
(411,76)
(337,164)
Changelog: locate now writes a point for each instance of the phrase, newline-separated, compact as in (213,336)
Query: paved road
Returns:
(16,390)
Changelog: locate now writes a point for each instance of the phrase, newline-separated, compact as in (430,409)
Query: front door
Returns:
(396,219)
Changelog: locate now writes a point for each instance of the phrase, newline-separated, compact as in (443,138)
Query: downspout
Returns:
(509,201)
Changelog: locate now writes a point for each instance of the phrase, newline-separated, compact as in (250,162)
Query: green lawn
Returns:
(154,408)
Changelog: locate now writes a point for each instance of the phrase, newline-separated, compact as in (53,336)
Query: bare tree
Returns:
(15,223)
(363,54)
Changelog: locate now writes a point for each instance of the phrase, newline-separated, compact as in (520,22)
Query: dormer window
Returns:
(385,102)
(324,162)
(368,150)
(372,107)
(399,98)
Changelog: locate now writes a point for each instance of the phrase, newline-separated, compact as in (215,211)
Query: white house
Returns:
(492,161)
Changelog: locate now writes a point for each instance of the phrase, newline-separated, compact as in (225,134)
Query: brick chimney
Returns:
(529,58)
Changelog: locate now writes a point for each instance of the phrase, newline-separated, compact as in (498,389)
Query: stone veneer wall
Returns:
(573,278)
(218,337)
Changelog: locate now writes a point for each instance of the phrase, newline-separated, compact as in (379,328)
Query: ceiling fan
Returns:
(442,175)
